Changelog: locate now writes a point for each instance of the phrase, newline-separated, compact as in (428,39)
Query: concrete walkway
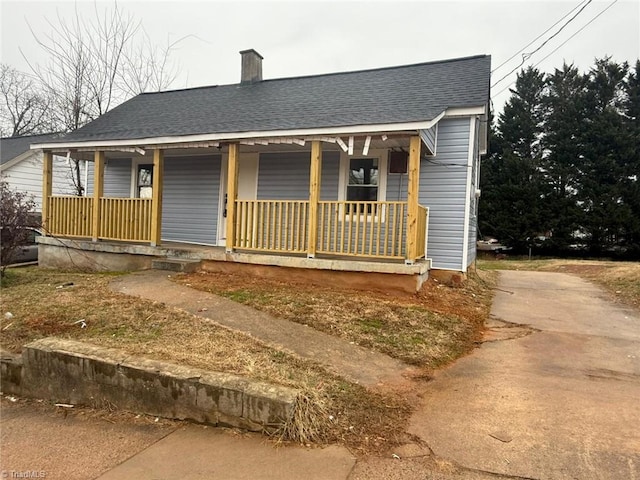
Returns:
(63,444)
(350,361)
(562,401)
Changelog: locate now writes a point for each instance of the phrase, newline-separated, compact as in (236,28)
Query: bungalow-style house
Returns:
(368,176)
(21,167)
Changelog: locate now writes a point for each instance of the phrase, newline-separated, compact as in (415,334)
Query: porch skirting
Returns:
(87,255)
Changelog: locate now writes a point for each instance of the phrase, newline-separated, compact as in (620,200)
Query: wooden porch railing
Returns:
(125,219)
(272,225)
(69,216)
(362,229)
(423,231)
(358,229)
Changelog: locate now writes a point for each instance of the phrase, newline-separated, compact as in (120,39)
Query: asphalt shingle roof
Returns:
(382,96)
(12,147)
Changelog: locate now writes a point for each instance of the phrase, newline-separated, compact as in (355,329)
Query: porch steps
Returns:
(176,264)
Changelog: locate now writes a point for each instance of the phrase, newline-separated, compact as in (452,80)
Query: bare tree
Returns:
(96,63)
(147,67)
(24,108)
(84,62)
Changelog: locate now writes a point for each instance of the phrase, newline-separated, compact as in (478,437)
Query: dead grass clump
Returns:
(308,420)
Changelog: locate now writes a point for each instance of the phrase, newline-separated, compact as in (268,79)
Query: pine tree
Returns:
(564,104)
(511,207)
(606,151)
(630,194)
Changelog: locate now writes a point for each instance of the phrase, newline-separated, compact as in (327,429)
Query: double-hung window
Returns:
(363,180)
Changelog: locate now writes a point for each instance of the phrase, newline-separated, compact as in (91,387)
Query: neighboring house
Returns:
(21,167)
(367,171)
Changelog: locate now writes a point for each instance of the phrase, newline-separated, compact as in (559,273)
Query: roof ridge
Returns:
(318,75)
(377,69)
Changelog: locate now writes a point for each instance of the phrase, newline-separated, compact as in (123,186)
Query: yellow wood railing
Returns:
(125,219)
(69,216)
(359,229)
(365,229)
(271,225)
(423,223)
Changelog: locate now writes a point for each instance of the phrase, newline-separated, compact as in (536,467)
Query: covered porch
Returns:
(382,230)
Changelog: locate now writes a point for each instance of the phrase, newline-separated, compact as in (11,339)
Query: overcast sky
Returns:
(305,37)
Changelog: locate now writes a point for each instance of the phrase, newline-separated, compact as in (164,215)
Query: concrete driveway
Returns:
(553,393)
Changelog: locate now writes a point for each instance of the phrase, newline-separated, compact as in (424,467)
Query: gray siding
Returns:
(117,178)
(429,138)
(285,176)
(190,199)
(397,187)
(443,181)
(330,179)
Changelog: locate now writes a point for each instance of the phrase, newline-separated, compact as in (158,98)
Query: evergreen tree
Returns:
(564,104)
(606,151)
(565,159)
(511,207)
(631,176)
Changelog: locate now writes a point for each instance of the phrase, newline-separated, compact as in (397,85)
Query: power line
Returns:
(563,43)
(535,39)
(577,32)
(526,56)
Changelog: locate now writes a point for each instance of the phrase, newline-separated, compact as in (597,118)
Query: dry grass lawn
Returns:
(620,279)
(428,329)
(53,303)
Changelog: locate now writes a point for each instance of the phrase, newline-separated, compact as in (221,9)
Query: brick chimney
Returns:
(251,66)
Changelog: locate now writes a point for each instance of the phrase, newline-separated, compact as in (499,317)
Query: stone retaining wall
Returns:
(68,371)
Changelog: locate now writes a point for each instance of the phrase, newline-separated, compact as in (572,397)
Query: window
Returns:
(144,181)
(363,181)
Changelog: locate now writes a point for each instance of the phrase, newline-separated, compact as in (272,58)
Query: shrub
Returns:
(16,216)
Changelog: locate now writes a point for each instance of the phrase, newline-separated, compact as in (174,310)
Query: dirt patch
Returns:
(427,329)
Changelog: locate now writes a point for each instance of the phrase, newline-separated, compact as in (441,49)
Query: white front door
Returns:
(247,188)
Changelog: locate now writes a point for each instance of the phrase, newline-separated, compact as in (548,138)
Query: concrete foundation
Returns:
(346,272)
(409,282)
(72,372)
(69,256)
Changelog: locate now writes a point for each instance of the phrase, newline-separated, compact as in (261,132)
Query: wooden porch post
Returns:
(98,192)
(156,196)
(413,189)
(232,194)
(314,196)
(47,188)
